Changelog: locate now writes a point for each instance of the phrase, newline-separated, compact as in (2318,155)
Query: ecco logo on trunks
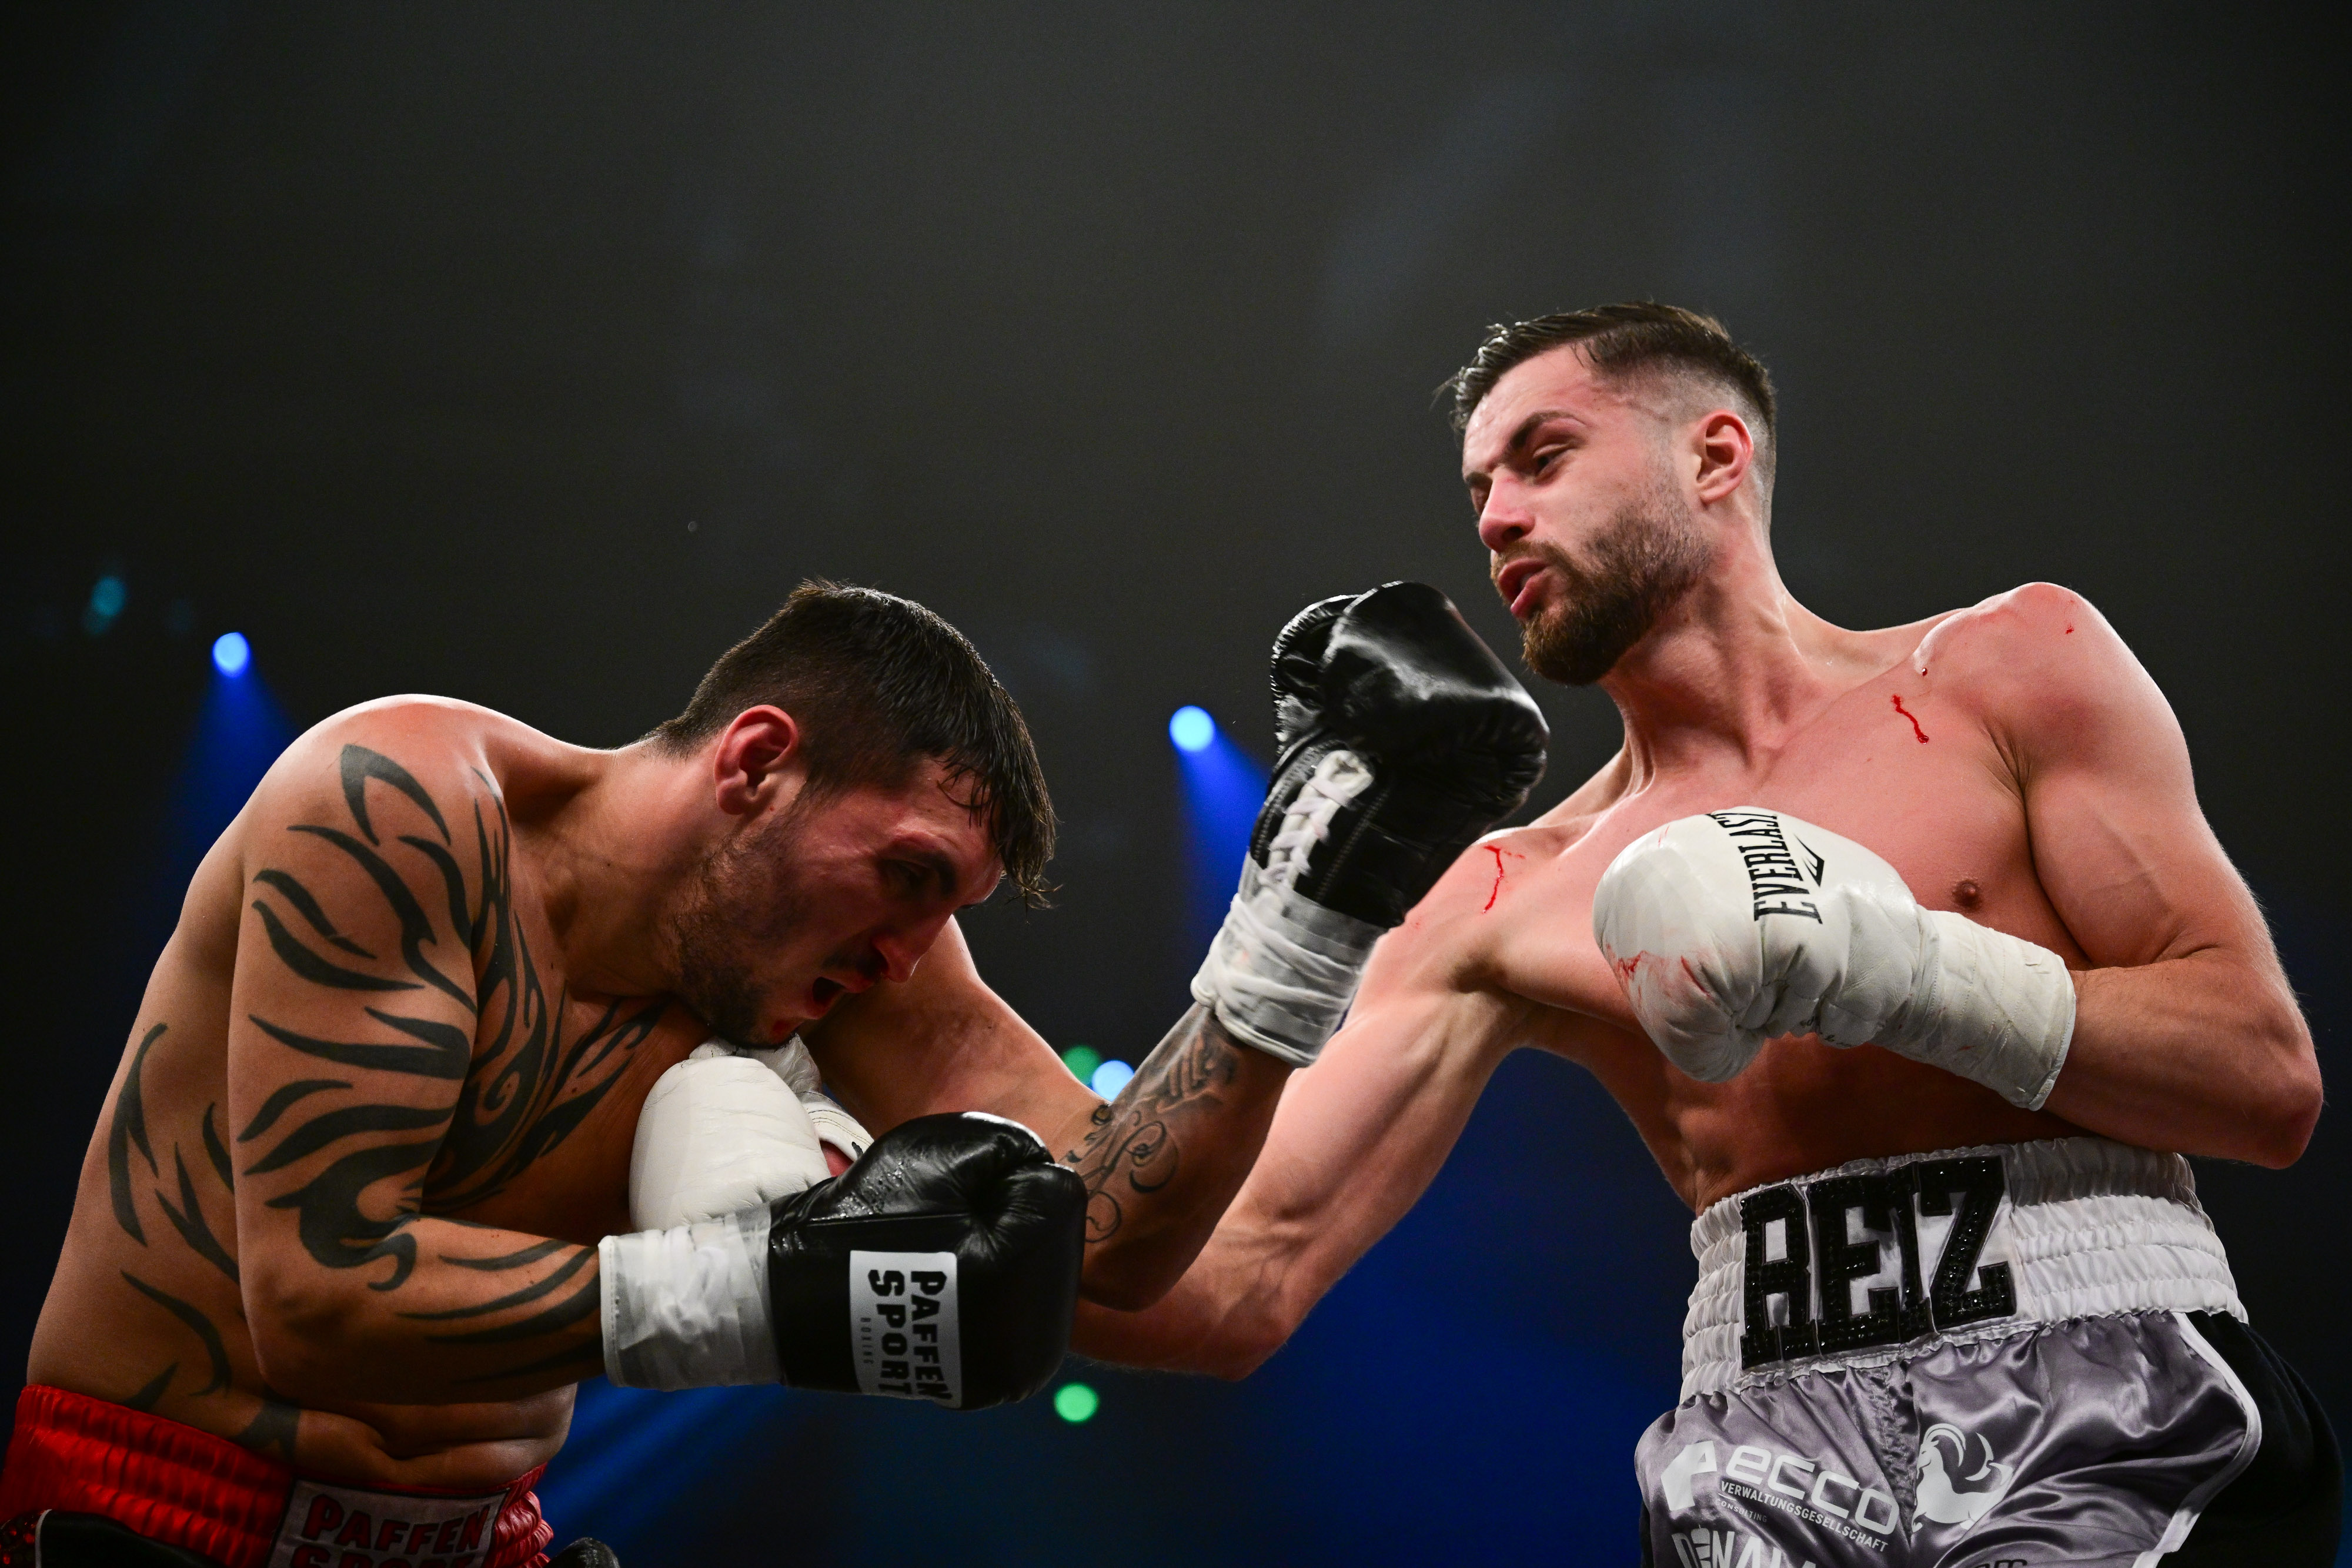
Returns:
(1783,871)
(1819,1258)
(1808,1490)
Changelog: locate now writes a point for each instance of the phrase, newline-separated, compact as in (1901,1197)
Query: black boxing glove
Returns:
(948,1271)
(943,1266)
(1403,739)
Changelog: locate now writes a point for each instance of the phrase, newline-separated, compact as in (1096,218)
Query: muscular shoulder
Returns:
(2034,662)
(429,750)
(1452,939)
(408,767)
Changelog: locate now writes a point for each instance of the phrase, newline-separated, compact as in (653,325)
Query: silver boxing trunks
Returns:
(2012,1356)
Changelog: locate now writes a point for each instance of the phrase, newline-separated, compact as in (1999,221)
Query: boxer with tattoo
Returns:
(357,1214)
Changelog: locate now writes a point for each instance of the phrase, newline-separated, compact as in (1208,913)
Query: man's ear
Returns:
(1726,452)
(748,768)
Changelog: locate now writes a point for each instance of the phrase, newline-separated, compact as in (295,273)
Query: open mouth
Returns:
(823,994)
(1516,583)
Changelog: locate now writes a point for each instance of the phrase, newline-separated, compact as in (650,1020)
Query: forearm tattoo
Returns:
(1135,1148)
(462,1004)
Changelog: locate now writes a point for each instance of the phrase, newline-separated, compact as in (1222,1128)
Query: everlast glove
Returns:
(1740,927)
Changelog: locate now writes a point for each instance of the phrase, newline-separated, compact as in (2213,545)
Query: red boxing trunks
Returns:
(185,1487)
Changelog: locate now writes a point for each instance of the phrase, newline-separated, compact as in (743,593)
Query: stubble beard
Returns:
(1640,564)
(744,899)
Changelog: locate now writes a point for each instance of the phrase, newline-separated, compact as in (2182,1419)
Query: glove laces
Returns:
(1338,778)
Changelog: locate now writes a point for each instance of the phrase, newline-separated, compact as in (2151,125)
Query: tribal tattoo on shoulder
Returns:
(461,1003)
(1137,1148)
(523,1087)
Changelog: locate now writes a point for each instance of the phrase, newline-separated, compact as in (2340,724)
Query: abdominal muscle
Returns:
(1803,1106)
(98,1339)
(454,1447)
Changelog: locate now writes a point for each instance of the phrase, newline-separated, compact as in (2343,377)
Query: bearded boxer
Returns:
(1917,968)
(357,1214)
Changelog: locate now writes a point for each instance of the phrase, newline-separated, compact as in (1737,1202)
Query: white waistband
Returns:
(2071,1227)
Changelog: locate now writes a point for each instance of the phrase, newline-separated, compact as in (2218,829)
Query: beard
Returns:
(744,901)
(1642,563)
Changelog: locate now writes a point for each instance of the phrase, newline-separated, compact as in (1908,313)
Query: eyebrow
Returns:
(1526,428)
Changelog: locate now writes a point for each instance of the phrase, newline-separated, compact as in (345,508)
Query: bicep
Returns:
(1359,1135)
(352,1013)
(2119,842)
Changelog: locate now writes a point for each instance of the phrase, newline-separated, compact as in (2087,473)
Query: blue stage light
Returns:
(1191,729)
(231,653)
(107,598)
(1111,1078)
(1223,788)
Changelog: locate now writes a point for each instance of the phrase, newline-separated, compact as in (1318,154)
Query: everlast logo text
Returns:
(1783,874)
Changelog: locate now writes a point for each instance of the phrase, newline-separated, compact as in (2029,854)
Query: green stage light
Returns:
(1082,1061)
(1074,1402)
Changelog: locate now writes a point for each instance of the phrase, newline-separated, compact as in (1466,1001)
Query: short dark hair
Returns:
(878,684)
(1622,340)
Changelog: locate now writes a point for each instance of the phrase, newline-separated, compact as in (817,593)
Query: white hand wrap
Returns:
(721,1132)
(1736,927)
(1284,968)
(687,1307)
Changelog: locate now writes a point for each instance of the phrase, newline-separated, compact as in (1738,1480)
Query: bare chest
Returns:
(546,1118)
(1944,811)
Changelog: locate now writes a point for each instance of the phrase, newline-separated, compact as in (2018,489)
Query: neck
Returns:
(614,856)
(1729,672)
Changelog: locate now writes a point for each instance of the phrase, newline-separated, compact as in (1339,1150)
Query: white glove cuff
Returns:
(1992,1007)
(687,1307)
(1283,969)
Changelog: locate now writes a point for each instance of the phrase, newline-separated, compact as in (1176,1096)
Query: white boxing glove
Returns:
(1735,928)
(843,1136)
(719,1132)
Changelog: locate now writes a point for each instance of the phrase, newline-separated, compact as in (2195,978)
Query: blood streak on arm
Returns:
(1897,701)
(1498,852)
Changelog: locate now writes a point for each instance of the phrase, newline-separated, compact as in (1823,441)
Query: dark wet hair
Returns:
(878,685)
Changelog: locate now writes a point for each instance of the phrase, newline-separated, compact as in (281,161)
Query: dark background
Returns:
(531,354)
